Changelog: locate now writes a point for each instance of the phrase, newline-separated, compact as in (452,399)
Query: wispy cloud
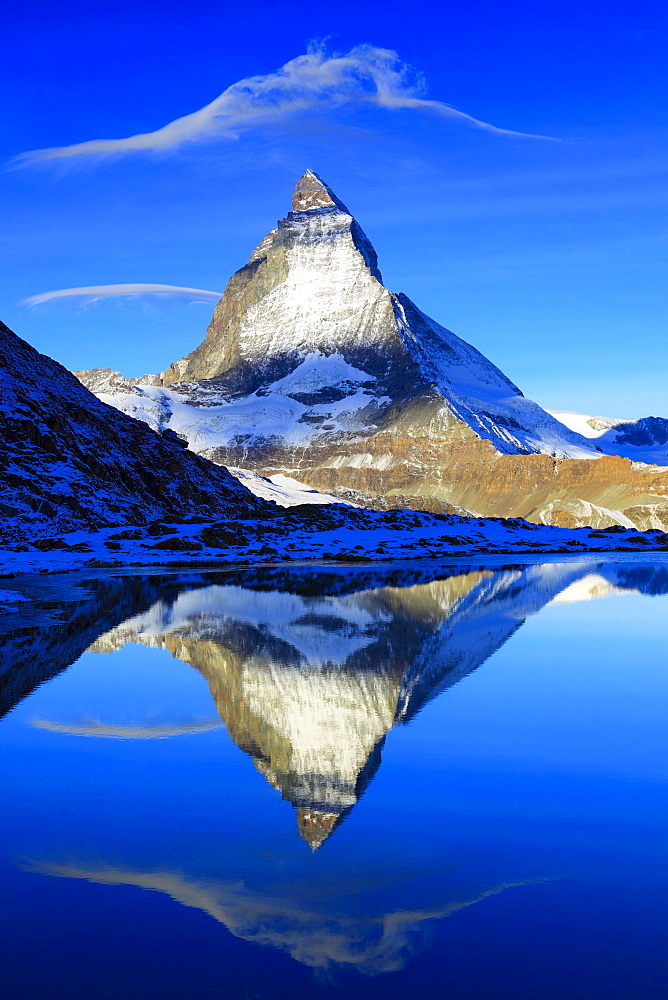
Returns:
(372,945)
(105,730)
(365,75)
(95,292)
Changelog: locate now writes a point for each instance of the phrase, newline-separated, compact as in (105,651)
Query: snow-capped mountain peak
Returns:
(312,289)
(311,192)
(312,368)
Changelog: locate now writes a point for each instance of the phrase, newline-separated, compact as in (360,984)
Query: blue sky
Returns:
(549,256)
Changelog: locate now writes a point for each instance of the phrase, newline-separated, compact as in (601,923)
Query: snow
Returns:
(283,490)
(606,432)
(318,370)
(339,533)
(269,414)
(583,423)
(141,406)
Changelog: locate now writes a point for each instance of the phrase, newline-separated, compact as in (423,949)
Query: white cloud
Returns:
(375,944)
(95,292)
(365,75)
(105,730)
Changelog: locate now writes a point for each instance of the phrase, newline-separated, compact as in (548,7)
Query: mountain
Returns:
(69,461)
(313,369)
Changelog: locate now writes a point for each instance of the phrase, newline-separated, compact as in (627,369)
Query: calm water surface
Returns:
(370,783)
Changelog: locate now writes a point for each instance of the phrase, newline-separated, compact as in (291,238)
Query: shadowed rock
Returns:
(69,461)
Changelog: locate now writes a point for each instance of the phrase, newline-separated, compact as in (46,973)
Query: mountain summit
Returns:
(312,192)
(311,367)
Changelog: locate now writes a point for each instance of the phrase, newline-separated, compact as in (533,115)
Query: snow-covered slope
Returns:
(583,423)
(311,531)
(284,490)
(643,440)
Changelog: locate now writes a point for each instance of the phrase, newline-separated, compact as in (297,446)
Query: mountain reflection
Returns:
(310,685)
(309,668)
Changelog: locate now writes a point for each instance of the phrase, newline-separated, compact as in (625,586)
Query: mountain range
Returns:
(74,470)
(312,369)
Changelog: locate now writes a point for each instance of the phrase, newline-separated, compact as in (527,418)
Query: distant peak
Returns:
(312,192)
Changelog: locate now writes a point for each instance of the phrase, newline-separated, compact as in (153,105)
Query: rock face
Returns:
(311,368)
(70,461)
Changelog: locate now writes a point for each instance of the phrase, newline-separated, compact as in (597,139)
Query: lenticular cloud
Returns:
(94,292)
(315,80)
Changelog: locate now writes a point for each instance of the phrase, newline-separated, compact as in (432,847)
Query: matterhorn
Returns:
(312,369)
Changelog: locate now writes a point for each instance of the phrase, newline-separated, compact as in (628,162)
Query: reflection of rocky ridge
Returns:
(38,645)
(309,687)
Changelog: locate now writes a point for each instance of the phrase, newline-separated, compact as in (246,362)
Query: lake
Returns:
(389,781)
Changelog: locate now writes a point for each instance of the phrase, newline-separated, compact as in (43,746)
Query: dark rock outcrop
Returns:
(69,461)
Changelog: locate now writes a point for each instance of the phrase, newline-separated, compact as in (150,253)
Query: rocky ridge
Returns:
(71,462)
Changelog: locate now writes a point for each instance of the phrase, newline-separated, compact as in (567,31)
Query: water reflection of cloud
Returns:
(371,945)
(107,730)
